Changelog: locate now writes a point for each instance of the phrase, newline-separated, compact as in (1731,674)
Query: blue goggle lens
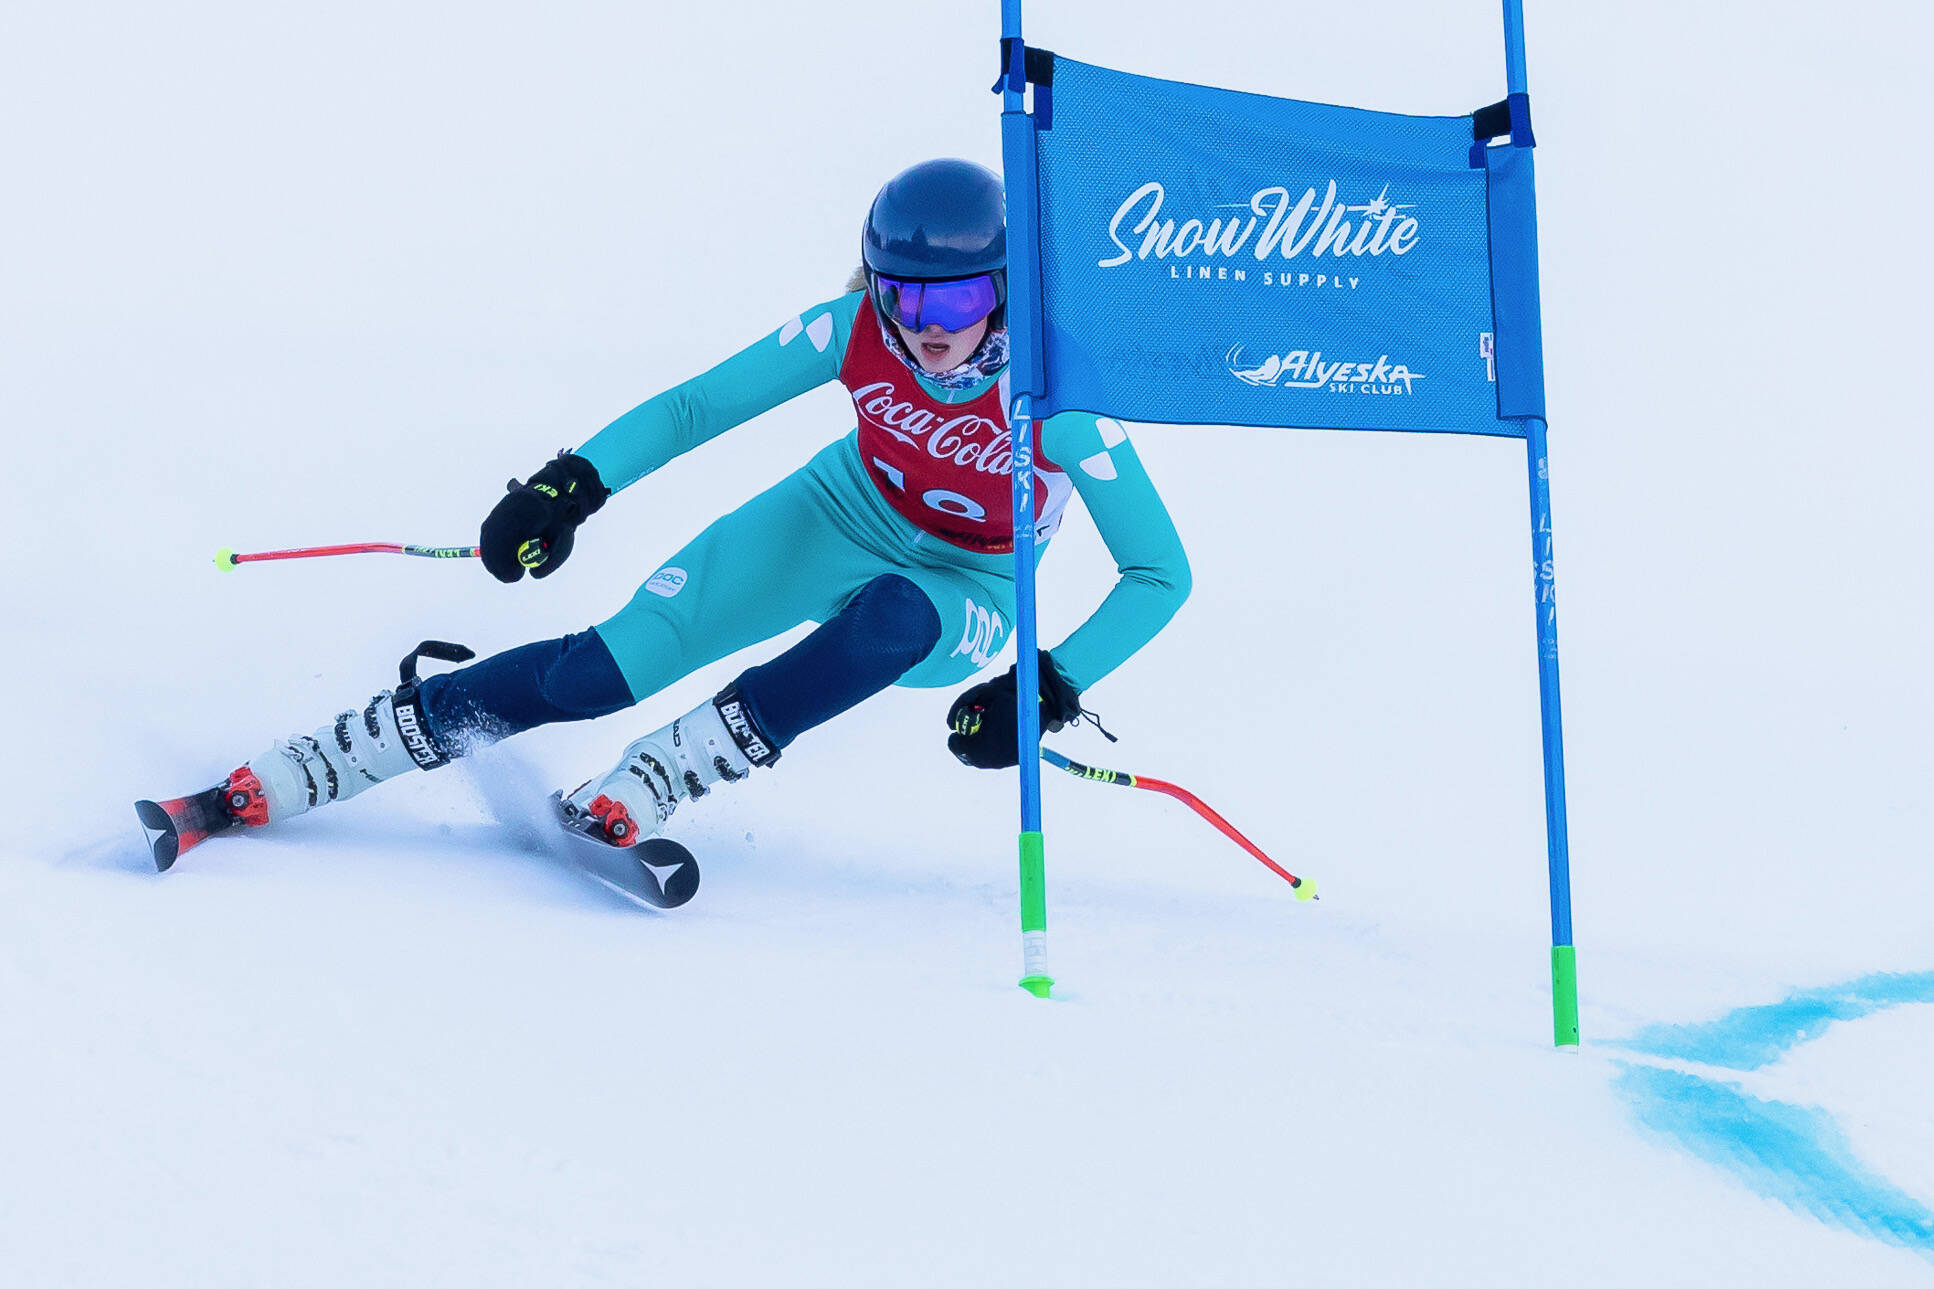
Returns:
(954,305)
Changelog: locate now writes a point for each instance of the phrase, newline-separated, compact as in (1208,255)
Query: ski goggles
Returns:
(954,305)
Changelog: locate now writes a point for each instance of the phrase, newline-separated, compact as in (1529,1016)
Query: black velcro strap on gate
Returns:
(1511,117)
(1488,123)
(1508,119)
(1007,67)
(441,650)
(1037,67)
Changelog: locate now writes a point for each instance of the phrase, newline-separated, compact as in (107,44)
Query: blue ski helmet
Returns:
(935,221)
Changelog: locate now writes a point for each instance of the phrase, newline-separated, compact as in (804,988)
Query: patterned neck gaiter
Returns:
(985,362)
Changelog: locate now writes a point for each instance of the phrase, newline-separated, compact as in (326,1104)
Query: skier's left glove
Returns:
(533,525)
(983,718)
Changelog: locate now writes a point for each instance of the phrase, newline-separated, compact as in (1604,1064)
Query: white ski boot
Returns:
(337,761)
(341,759)
(715,742)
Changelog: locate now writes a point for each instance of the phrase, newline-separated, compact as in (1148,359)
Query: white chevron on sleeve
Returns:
(819,331)
(1099,466)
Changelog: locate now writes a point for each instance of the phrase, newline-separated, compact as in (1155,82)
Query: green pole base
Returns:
(1037,985)
(1564,995)
(225,560)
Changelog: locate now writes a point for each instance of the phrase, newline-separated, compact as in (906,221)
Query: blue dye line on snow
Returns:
(1752,1037)
(1794,1154)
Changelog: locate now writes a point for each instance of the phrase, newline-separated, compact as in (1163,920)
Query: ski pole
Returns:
(532,553)
(1305,889)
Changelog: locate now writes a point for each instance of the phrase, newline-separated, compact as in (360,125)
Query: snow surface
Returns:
(280,276)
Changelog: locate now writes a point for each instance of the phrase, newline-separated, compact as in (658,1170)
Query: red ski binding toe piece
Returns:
(245,799)
(620,829)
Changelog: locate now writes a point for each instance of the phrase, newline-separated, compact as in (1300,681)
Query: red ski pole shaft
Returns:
(1305,889)
(226,559)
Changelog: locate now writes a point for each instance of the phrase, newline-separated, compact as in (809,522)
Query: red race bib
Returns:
(945,467)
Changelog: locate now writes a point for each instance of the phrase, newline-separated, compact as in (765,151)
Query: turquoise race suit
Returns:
(897,538)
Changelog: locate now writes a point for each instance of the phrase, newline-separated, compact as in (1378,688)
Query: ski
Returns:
(656,871)
(172,827)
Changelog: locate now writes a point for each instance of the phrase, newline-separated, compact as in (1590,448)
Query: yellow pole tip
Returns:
(1306,890)
(225,560)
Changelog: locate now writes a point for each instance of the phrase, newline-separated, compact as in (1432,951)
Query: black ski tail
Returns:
(173,827)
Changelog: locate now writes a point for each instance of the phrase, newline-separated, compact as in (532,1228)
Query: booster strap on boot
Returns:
(410,724)
(752,741)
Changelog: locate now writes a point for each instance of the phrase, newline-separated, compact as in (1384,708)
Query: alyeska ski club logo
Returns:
(1308,369)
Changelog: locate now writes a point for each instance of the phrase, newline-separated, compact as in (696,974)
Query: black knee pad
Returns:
(581,679)
(896,614)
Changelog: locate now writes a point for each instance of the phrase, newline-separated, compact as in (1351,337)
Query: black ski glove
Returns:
(982,718)
(533,525)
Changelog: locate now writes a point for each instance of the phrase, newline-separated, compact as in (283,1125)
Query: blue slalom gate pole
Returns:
(1024,375)
(1564,965)
(1514,78)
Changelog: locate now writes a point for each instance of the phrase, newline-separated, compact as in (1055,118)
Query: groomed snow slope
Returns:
(281,280)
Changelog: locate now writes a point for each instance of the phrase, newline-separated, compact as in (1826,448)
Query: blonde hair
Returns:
(858,281)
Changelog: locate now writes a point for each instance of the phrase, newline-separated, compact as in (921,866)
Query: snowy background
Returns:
(277,276)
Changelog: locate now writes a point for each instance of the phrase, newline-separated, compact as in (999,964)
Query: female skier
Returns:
(896,538)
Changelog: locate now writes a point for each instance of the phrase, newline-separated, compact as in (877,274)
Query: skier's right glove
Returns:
(533,525)
(983,717)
